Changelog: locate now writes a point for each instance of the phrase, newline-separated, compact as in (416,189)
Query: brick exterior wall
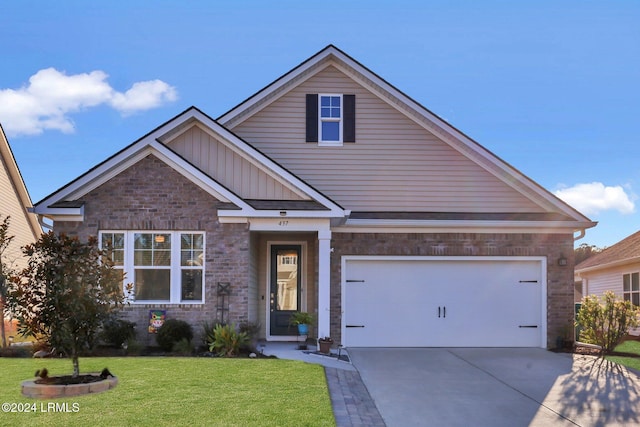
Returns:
(559,279)
(152,196)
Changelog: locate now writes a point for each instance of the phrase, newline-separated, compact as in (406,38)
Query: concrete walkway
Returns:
(497,387)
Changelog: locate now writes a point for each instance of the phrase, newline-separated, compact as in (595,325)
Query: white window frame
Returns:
(631,292)
(175,267)
(339,120)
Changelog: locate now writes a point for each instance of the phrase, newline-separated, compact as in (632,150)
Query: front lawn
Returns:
(631,347)
(178,391)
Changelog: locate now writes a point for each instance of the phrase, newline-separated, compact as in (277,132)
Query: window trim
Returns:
(339,120)
(631,292)
(175,289)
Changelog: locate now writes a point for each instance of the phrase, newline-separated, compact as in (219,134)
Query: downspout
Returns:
(42,223)
(581,235)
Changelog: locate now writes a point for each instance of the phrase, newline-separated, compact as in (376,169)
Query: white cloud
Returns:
(51,96)
(595,197)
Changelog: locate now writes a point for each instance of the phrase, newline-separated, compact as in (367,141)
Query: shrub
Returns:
(116,332)
(133,347)
(228,341)
(209,331)
(172,331)
(252,330)
(606,321)
(183,348)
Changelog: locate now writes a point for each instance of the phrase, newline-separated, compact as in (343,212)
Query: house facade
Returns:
(331,191)
(615,269)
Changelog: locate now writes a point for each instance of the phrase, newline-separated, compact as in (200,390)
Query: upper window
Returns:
(330,118)
(162,266)
(631,288)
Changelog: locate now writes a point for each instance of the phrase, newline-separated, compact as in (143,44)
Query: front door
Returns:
(285,287)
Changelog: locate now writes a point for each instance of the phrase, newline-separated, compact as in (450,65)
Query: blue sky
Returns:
(551,87)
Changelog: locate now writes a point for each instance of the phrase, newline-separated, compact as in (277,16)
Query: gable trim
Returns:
(151,144)
(331,55)
(15,178)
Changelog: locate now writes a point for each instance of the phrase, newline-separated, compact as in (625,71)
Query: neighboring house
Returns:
(331,191)
(616,268)
(14,201)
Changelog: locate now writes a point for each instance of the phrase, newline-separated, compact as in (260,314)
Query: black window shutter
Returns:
(312,117)
(349,125)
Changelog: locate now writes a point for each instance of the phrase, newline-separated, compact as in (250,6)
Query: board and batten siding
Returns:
(228,167)
(394,165)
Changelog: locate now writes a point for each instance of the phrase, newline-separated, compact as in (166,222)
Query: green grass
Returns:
(179,391)
(627,347)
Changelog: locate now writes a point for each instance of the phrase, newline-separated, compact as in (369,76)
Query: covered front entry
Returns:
(289,272)
(444,301)
(285,287)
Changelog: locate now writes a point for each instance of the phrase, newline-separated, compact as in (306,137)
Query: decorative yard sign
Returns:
(156,320)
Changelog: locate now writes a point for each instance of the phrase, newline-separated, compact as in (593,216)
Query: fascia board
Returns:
(266,92)
(280,172)
(222,135)
(118,164)
(354,225)
(277,214)
(617,263)
(412,109)
(18,183)
(454,137)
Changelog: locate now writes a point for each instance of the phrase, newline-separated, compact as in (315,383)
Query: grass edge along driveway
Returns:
(168,391)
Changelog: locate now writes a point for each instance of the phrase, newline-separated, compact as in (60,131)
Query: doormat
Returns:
(344,357)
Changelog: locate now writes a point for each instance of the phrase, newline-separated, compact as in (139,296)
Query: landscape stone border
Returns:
(49,391)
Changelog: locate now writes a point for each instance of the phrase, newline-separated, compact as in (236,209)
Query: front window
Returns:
(162,266)
(631,288)
(152,266)
(330,118)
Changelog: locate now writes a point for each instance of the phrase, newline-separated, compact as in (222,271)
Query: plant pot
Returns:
(325,346)
(303,329)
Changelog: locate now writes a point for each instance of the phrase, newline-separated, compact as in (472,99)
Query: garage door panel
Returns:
(409,303)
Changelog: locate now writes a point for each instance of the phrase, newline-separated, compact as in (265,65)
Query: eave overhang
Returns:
(612,264)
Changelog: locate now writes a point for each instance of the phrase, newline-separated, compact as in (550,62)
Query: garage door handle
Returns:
(355,326)
(528,326)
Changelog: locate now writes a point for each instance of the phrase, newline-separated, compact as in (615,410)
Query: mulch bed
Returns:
(68,379)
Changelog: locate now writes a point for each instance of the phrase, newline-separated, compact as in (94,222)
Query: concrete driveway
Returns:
(497,387)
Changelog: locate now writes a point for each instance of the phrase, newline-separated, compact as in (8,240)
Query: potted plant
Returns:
(302,320)
(325,344)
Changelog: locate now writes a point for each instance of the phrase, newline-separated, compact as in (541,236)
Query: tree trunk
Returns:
(2,331)
(76,365)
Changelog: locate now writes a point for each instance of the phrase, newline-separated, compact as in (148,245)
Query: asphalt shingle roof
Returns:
(625,249)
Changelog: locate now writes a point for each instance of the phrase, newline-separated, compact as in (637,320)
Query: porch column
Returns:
(324,283)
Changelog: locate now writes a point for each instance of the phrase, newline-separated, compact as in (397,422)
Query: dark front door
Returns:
(285,287)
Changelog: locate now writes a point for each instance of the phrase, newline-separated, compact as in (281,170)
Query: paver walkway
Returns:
(350,399)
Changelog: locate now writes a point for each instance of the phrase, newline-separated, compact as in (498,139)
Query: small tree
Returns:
(66,293)
(606,321)
(5,241)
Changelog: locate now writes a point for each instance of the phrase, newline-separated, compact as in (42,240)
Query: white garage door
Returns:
(443,302)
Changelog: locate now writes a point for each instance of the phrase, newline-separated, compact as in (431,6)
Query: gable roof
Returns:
(63,203)
(332,56)
(625,251)
(15,200)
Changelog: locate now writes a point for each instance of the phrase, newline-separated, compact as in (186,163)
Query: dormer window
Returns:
(331,119)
